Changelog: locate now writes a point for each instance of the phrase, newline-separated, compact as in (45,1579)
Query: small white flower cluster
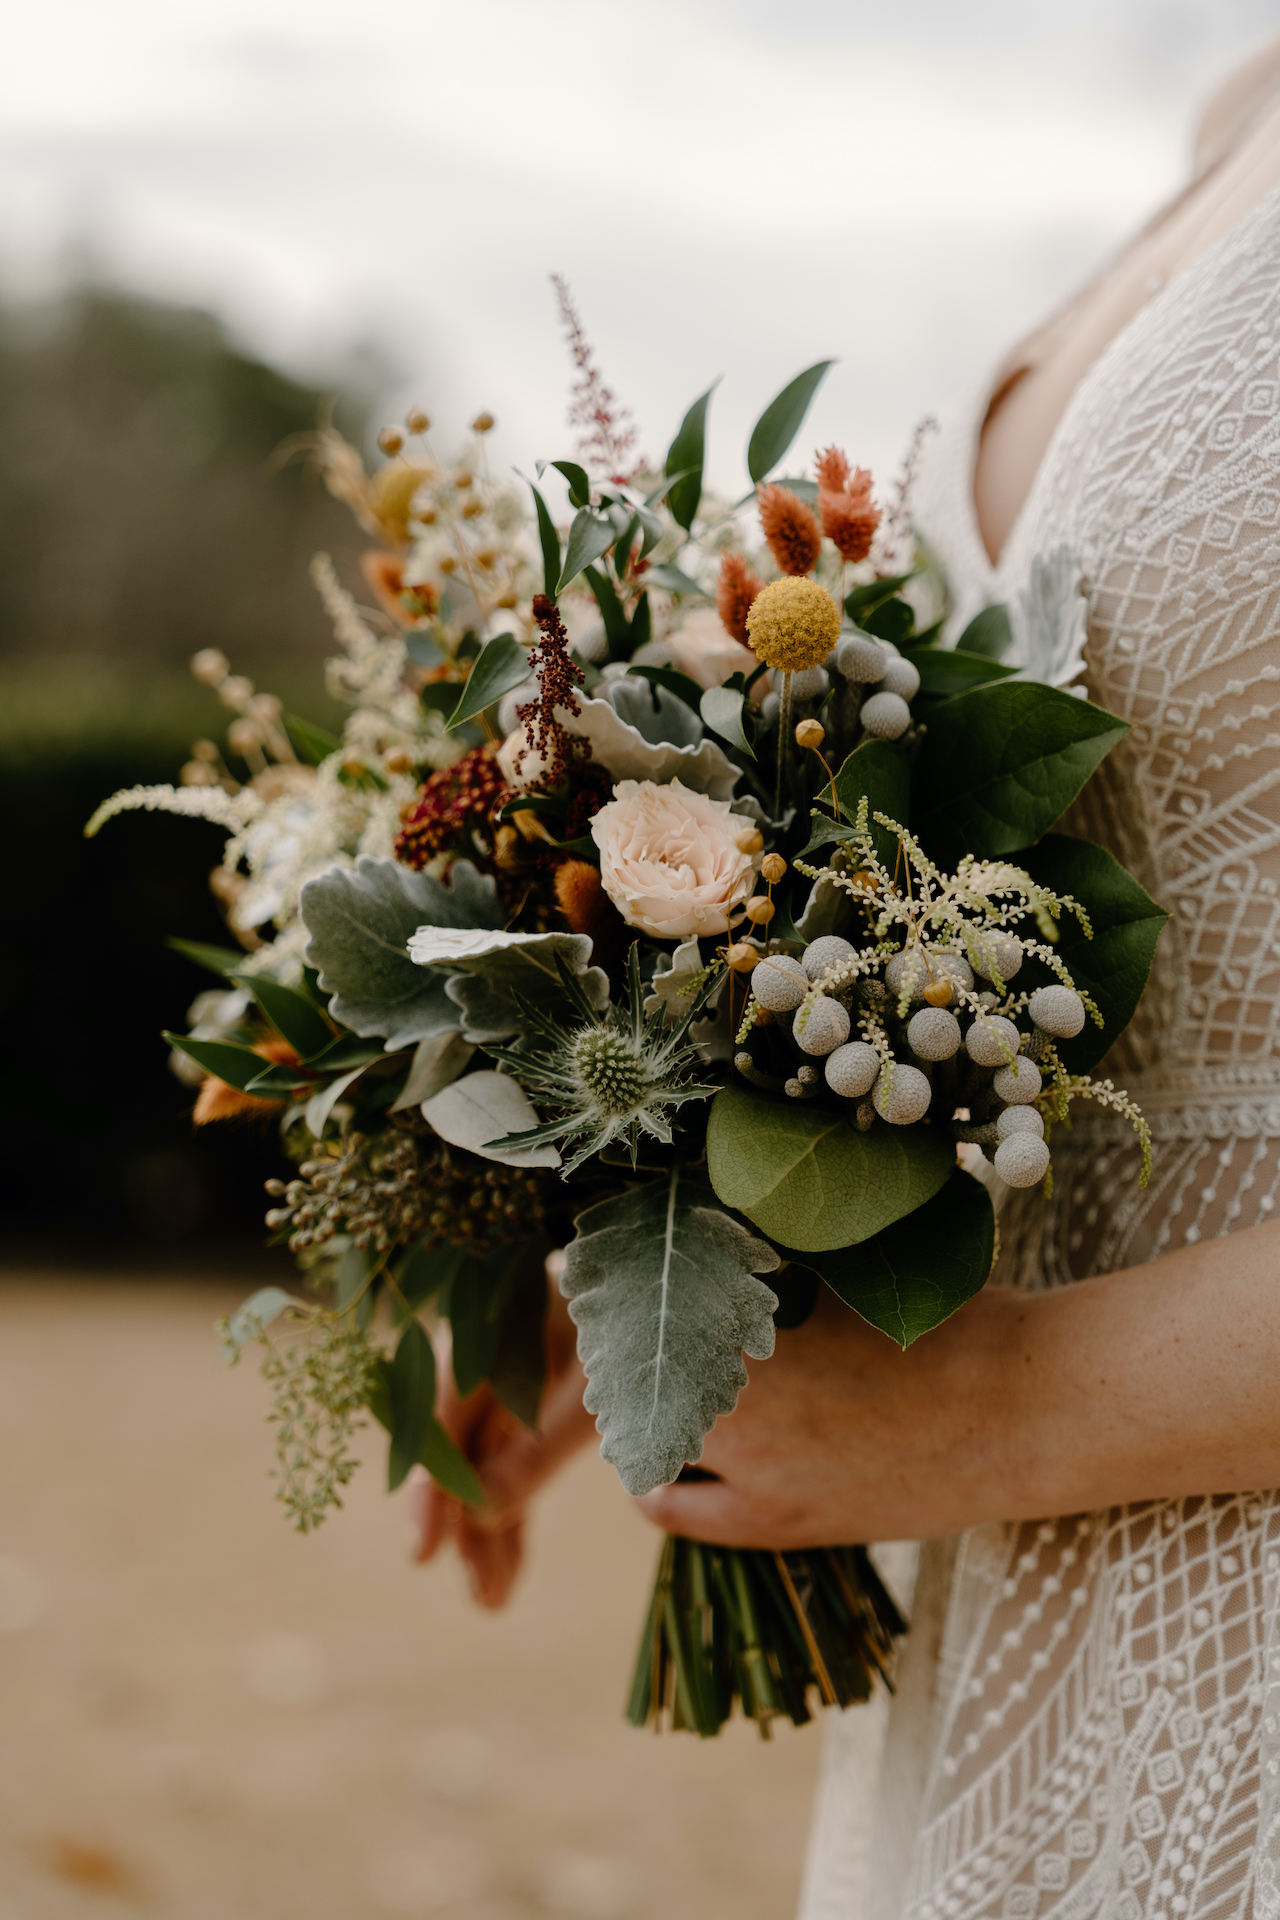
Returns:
(920,1019)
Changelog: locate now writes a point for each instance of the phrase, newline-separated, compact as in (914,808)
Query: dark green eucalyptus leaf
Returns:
(688,451)
(622,550)
(641,623)
(412,1388)
(590,536)
(892,620)
(675,682)
(501,665)
(617,627)
(947,671)
(880,770)
(672,580)
(808,1178)
(865,599)
(238,1066)
(292,1015)
(579,484)
(1114,966)
(549,541)
(445,1461)
(913,1275)
(519,1371)
(478,1298)
(439,696)
(782,420)
(310,742)
(277,1082)
(219,960)
(989,633)
(1003,763)
(721,710)
(468,648)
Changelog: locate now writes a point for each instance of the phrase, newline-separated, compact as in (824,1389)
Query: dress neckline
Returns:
(985,568)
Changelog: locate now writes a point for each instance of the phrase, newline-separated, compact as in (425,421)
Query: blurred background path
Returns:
(208,1717)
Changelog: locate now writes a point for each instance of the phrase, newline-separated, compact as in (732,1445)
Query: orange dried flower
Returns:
(849,519)
(793,534)
(833,470)
(736,588)
(217,1100)
(584,903)
(385,575)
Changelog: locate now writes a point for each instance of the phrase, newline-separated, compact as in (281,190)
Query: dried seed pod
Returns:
(390,441)
(939,993)
(779,983)
(827,951)
(825,1027)
(851,1070)
(1058,1010)
(908,1095)
(1018,1084)
(997,953)
(886,716)
(772,867)
(742,957)
(759,910)
(1013,1120)
(809,733)
(933,1033)
(991,1039)
(902,678)
(859,659)
(1022,1160)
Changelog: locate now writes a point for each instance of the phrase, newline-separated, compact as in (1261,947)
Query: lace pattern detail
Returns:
(1094,1728)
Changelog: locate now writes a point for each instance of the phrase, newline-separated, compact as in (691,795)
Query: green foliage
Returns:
(989,633)
(687,455)
(549,540)
(721,709)
(501,665)
(311,743)
(321,1381)
(1115,965)
(251,1320)
(292,1015)
(913,1275)
(947,671)
(880,771)
(891,620)
(1003,763)
(782,420)
(808,1178)
(411,1392)
(662,1288)
(359,925)
(238,1066)
(219,960)
(492,989)
(590,537)
(861,601)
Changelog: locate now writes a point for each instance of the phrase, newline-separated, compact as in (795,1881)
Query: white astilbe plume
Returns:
(234,811)
(370,670)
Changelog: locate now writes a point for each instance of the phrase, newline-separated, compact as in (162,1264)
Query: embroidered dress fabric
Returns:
(1088,1721)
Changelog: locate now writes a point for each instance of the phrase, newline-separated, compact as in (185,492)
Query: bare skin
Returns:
(1151,1383)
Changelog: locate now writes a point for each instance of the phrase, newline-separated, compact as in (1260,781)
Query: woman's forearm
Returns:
(1146,1384)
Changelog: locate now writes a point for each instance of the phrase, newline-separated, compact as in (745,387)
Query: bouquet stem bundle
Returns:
(762,1628)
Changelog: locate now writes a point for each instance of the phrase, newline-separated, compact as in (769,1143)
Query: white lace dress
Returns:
(1089,1716)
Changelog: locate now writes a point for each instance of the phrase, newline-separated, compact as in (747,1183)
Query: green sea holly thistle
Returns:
(615,1075)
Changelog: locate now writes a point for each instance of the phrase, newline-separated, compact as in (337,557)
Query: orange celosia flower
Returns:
(218,1101)
(794,536)
(833,470)
(385,574)
(849,519)
(736,589)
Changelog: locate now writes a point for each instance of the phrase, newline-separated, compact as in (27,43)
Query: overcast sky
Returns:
(733,187)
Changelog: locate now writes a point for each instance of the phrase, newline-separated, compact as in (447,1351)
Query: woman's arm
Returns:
(1158,1381)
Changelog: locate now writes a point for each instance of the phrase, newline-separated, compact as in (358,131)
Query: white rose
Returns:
(672,860)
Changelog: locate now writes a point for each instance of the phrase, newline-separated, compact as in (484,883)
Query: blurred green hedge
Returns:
(138,521)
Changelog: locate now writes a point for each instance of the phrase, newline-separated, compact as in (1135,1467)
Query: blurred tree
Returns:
(141,518)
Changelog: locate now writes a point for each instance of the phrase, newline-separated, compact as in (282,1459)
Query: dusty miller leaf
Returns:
(664,1295)
(360,922)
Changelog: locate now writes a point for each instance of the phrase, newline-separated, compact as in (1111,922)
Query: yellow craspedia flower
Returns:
(393,489)
(793,624)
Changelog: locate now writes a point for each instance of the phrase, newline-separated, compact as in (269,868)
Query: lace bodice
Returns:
(1089,1721)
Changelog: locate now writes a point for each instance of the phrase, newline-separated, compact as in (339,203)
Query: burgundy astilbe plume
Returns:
(736,588)
(557,676)
(849,518)
(606,437)
(794,536)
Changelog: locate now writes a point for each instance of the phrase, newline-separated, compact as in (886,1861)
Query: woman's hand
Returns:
(1146,1384)
(511,1460)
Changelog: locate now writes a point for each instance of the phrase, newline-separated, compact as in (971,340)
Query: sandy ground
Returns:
(204,1716)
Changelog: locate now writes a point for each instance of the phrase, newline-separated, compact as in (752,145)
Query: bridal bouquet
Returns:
(672,897)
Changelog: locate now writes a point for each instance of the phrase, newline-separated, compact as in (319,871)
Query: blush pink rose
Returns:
(673,862)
